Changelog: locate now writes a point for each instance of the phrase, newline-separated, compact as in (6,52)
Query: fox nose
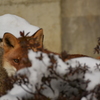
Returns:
(29,64)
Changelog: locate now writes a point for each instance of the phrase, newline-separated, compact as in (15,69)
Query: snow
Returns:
(86,60)
(83,98)
(93,73)
(9,97)
(20,91)
(61,66)
(14,24)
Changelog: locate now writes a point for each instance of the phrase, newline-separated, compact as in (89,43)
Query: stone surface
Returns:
(72,8)
(26,2)
(80,26)
(80,34)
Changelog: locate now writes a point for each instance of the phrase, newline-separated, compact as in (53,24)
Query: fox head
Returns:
(15,56)
(16,51)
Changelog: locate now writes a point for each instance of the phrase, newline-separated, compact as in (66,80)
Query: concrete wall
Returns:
(41,13)
(80,25)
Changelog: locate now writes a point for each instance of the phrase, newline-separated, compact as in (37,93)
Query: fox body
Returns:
(15,54)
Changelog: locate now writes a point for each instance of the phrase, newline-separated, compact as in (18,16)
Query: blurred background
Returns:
(70,25)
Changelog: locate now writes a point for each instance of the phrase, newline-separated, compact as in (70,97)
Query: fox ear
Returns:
(38,39)
(9,41)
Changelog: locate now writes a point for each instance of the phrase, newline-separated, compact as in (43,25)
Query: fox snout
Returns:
(25,62)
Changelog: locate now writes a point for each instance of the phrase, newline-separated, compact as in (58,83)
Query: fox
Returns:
(15,55)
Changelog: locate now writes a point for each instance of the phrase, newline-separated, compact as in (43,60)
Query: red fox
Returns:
(16,51)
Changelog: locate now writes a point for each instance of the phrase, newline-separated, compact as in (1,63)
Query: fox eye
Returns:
(16,60)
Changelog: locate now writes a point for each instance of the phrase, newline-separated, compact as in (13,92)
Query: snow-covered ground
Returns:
(51,66)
